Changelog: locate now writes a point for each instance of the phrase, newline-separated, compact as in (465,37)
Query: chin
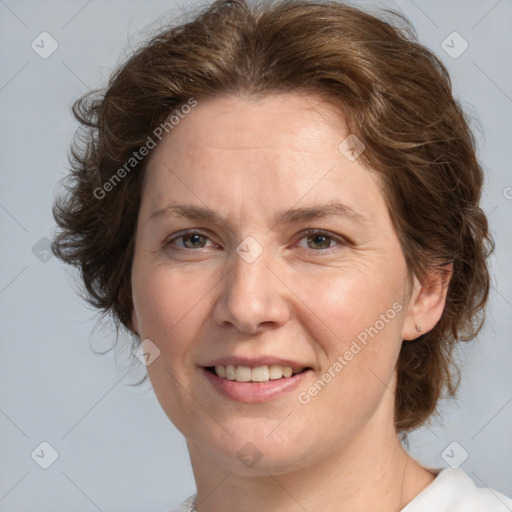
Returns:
(253,452)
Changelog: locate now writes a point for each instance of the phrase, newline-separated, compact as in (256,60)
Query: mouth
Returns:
(253,384)
(263,373)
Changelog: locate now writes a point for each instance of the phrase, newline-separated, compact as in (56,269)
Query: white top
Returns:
(451,491)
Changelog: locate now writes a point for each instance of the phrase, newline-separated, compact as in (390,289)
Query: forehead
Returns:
(278,149)
(293,121)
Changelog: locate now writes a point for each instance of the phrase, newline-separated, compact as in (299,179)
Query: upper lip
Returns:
(256,361)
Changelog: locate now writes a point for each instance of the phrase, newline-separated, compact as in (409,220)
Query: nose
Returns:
(252,298)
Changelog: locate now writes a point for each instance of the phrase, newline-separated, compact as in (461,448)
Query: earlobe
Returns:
(427,302)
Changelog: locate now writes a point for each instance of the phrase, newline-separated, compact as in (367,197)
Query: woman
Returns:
(281,201)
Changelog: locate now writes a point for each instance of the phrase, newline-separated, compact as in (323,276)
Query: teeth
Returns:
(257,374)
(230,372)
(275,372)
(287,371)
(243,374)
(260,374)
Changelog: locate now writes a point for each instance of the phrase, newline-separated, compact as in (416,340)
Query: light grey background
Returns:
(116,448)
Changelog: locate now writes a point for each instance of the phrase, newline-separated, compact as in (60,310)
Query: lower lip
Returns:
(252,392)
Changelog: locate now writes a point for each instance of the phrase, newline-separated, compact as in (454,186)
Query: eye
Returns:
(319,241)
(191,240)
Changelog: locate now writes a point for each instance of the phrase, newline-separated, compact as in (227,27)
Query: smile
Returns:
(254,384)
(262,373)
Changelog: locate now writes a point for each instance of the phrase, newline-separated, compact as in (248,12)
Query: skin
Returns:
(196,299)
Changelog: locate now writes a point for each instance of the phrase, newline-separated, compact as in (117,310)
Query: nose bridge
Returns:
(252,294)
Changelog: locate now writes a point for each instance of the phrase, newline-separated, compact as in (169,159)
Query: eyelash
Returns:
(340,241)
(182,235)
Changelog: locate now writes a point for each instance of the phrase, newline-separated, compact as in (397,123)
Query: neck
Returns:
(373,473)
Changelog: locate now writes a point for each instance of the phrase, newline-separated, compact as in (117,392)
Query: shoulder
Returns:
(187,505)
(453,491)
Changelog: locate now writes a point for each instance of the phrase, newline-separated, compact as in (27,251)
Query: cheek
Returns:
(165,298)
(355,319)
(359,351)
(350,301)
(170,306)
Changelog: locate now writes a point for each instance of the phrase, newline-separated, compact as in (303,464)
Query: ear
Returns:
(135,323)
(427,302)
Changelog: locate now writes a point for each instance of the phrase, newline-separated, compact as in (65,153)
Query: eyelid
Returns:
(181,234)
(340,240)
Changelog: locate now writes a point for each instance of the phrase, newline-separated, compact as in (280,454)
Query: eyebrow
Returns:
(331,209)
(294,215)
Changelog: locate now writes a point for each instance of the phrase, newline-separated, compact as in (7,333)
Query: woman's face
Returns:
(261,246)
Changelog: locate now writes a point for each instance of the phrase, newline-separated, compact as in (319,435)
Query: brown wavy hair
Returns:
(396,96)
